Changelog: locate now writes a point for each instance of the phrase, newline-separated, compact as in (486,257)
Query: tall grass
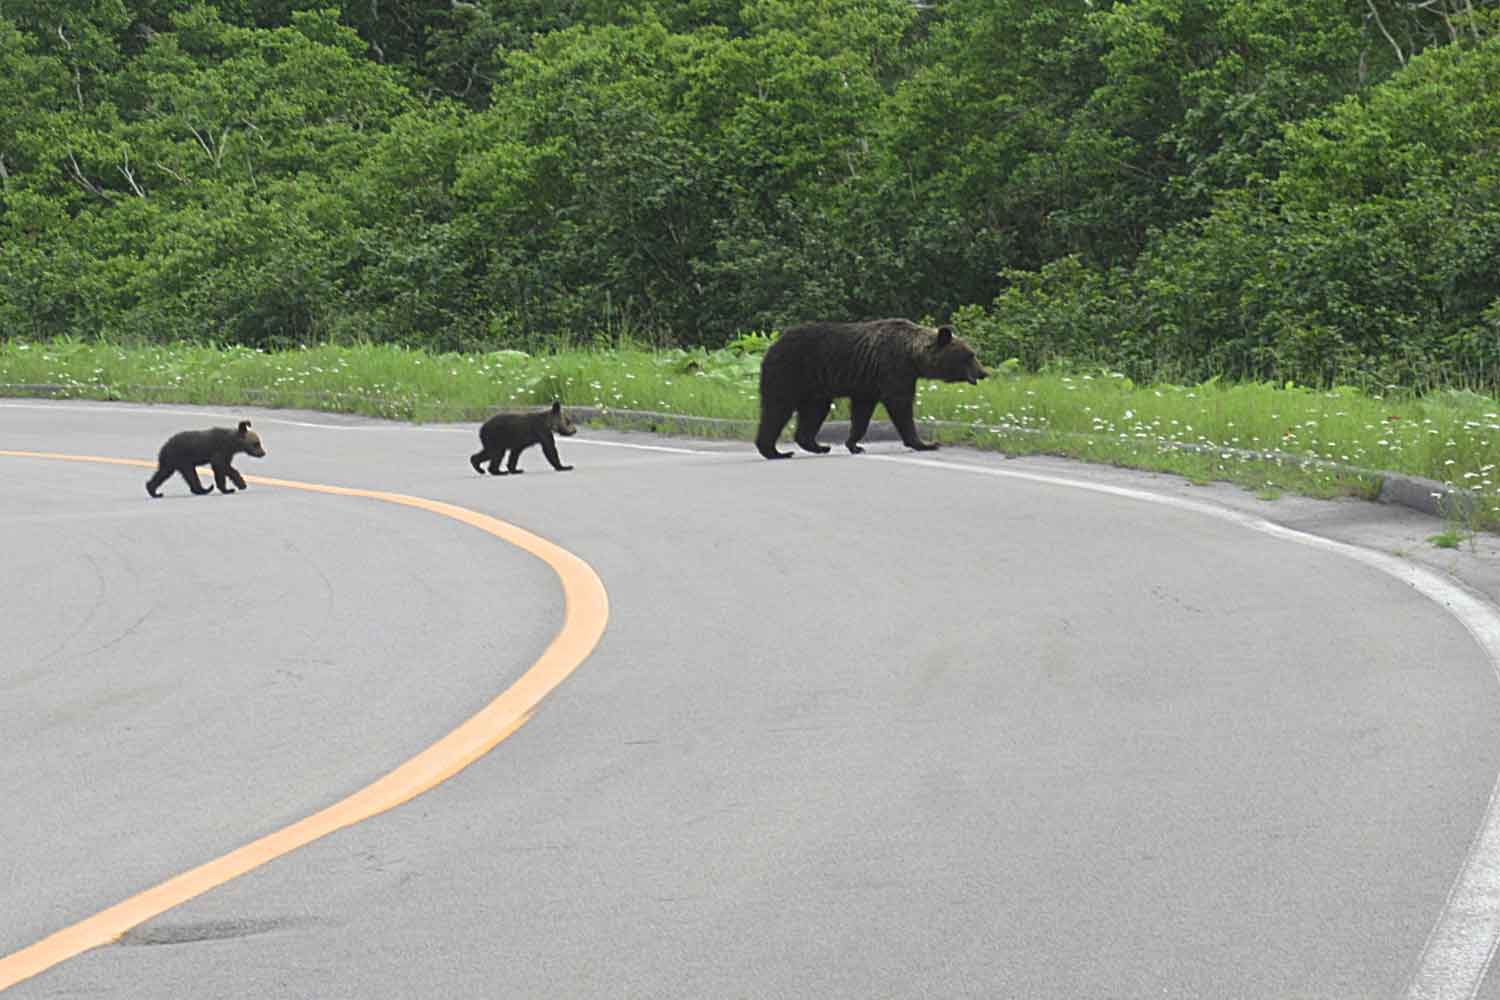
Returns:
(385,380)
(1269,437)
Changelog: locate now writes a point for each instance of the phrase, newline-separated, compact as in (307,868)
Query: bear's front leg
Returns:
(901,416)
(549,448)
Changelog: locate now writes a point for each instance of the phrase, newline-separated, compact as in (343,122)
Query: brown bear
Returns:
(515,432)
(878,361)
(217,446)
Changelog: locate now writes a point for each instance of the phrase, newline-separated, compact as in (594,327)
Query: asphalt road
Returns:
(858,727)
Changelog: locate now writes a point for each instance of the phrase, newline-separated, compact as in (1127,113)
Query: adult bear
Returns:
(878,361)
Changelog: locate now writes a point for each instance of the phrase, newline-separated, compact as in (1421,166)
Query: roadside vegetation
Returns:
(1268,438)
(1236,238)
(1249,189)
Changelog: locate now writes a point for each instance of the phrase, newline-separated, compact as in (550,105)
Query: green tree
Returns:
(1369,257)
(633,169)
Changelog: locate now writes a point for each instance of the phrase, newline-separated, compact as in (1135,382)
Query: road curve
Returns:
(586,611)
(857,728)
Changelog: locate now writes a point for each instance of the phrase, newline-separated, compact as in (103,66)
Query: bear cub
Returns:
(515,432)
(217,446)
(878,361)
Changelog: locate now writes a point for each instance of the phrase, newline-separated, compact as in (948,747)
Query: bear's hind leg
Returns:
(190,476)
(478,459)
(810,417)
(515,456)
(496,457)
(773,417)
(860,411)
(162,474)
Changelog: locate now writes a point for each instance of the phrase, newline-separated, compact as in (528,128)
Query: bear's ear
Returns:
(244,427)
(945,336)
(557,406)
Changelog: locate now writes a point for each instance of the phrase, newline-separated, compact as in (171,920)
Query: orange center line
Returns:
(586,611)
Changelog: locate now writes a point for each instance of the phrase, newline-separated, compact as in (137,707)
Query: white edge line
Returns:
(1461,945)
(209,413)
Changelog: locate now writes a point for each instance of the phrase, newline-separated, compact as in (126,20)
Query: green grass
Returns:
(384,380)
(1268,438)
(1448,539)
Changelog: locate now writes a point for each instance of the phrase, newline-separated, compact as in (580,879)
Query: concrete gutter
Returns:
(1428,496)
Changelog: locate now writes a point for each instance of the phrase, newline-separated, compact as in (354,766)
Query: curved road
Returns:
(875,726)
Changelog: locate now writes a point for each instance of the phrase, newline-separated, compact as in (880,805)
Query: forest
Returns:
(1251,190)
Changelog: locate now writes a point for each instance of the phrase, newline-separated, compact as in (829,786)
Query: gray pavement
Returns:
(860,726)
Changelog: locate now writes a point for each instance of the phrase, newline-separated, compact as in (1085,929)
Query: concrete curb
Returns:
(1428,496)
(1415,492)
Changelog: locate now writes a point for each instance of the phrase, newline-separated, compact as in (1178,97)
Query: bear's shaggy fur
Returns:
(217,446)
(878,361)
(515,432)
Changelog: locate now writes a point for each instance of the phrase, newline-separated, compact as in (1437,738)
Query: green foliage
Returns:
(637,174)
(1269,438)
(1369,258)
(1172,188)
